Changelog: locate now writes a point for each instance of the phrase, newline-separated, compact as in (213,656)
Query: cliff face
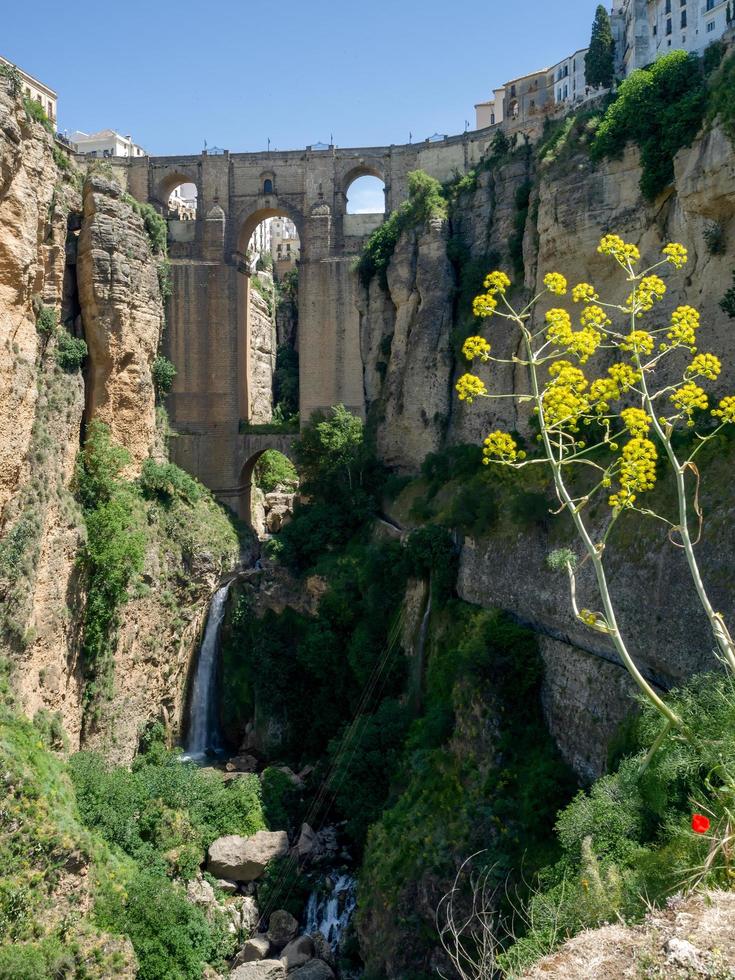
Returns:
(86,257)
(571,207)
(263,350)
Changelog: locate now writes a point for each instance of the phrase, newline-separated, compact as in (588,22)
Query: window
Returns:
(268,186)
(710,27)
(655,30)
(566,91)
(710,6)
(668,27)
(668,6)
(683,18)
(558,96)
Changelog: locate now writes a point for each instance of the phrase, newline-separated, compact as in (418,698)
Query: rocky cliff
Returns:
(411,332)
(75,262)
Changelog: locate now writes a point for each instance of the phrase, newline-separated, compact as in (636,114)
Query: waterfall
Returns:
(329,913)
(203,737)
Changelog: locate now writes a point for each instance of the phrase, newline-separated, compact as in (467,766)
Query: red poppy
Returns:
(700,823)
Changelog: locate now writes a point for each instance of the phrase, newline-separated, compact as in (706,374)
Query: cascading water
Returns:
(203,737)
(329,912)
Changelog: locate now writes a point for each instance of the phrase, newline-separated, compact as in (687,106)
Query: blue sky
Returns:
(237,73)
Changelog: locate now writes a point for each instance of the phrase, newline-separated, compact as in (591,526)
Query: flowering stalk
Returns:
(569,400)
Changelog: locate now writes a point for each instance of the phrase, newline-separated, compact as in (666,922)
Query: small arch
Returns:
(267,507)
(179,185)
(267,186)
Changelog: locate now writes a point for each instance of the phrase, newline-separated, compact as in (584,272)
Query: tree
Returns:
(600,59)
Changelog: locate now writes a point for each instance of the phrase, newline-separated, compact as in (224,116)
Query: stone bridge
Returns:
(208,333)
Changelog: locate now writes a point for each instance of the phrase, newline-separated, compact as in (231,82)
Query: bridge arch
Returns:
(252,450)
(167,184)
(249,220)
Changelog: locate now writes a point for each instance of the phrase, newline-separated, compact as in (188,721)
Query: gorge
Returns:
(347,622)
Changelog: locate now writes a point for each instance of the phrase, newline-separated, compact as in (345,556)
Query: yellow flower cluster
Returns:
(689,398)
(637,472)
(501,445)
(706,365)
(620,378)
(636,421)
(648,291)
(595,316)
(676,254)
(684,323)
(589,619)
(583,342)
(497,282)
(622,251)
(584,293)
(726,409)
(470,387)
(475,347)
(484,305)
(638,342)
(564,400)
(556,283)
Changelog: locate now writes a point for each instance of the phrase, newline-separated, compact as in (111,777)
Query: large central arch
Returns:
(266,207)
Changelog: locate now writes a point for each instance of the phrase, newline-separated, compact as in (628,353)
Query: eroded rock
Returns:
(245,858)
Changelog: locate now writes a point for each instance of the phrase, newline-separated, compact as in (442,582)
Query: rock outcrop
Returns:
(689,938)
(262,348)
(122,314)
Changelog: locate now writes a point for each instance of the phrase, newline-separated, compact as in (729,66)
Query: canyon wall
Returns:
(75,261)
(412,363)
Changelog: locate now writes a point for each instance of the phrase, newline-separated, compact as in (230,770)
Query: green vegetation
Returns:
(114,551)
(71,352)
(91,851)
(166,482)
(155,225)
(600,58)
(342,479)
(722,96)
(163,373)
(727,303)
(274,471)
(62,161)
(466,785)
(629,841)
(515,242)
(13,77)
(35,111)
(660,109)
(47,321)
(425,202)
(714,238)
(286,383)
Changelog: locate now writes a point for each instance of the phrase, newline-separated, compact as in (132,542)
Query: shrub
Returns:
(47,321)
(155,225)
(660,109)
(71,352)
(165,481)
(274,470)
(286,381)
(722,96)
(36,112)
(163,372)
(727,303)
(163,271)
(714,238)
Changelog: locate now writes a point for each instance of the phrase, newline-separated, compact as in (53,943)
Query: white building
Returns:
(285,244)
(182,202)
(490,113)
(647,29)
(33,89)
(568,79)
(106,143)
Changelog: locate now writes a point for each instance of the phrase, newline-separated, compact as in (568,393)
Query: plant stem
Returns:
(592,551)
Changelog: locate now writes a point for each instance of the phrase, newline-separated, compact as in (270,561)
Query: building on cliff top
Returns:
(38,91)
(106,143)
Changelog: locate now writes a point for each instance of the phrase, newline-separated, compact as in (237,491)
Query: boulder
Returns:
(322,949)
(282,928)
(228,887)
(245,858)
(305,843)
(313,970)
(242,763)
(250,914)
(298,952)
(254,950)
(264,970)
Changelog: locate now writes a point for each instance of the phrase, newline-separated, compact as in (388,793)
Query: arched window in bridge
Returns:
(267,186)
(182,202)
(366,195)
